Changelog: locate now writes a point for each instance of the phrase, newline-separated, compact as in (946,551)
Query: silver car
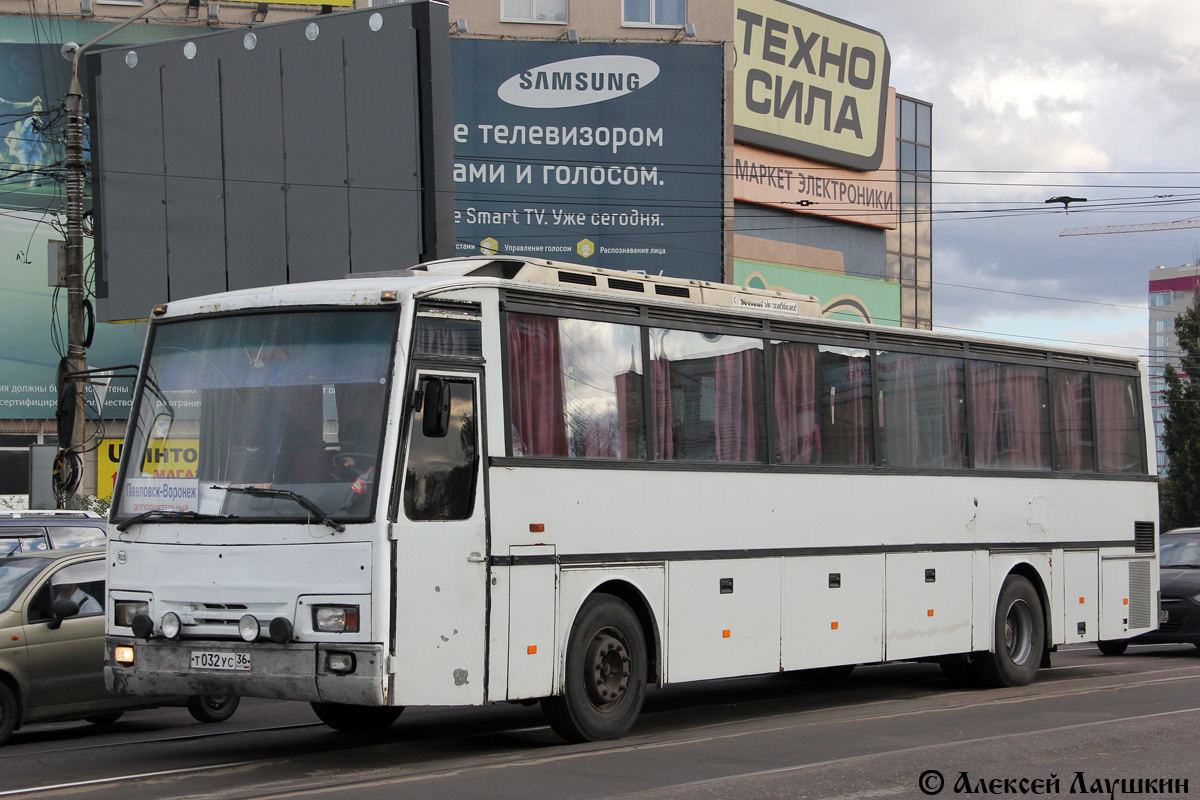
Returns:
(52,645)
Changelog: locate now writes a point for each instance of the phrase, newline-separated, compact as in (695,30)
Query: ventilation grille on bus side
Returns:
(673,291)
(576,278)
(624,285)
(1143,537)
(1139,594)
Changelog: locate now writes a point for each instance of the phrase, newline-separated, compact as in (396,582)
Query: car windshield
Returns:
(286,400)
(1180,550)
(15,575)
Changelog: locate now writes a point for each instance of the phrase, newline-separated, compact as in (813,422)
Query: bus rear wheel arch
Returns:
(605,678)
(1019,636)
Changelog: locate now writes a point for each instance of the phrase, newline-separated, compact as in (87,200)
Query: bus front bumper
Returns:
(355,674)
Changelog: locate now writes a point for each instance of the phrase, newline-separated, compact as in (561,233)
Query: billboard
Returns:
(33,315)
(600,153)
(809,84)
(296,151)
(798,184)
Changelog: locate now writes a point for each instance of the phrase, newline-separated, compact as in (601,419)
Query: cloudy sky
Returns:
(1032,100)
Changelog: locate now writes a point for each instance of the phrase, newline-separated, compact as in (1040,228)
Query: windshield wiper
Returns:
(299,499)
(166,512)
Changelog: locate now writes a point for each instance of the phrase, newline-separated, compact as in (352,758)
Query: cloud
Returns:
(1031,100)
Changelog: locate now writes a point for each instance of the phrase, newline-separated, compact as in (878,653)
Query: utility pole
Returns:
(76,294)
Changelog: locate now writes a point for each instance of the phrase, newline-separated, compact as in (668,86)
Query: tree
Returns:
(1179,490)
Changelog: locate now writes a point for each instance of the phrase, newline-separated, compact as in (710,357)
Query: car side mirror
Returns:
(435,423)
(62,608)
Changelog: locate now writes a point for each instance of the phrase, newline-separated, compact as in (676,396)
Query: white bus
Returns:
(491,480)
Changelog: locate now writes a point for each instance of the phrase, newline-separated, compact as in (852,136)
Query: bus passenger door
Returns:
(441,547)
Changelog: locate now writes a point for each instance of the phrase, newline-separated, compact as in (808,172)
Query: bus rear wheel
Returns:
(1020,636)
(605,681)
(356,719)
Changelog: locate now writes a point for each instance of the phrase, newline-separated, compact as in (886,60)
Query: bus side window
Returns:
(439,479)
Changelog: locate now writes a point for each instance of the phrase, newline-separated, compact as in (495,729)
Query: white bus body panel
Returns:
(963,527)
(928,604)
(832,611)
(722,618)
(1081,601)
(532,614)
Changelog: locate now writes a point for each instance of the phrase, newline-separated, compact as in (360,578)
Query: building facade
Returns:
(1173,290)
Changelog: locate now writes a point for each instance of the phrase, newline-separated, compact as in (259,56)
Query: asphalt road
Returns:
(889,731)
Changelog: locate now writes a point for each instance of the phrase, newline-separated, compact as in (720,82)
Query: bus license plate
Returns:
(212,660)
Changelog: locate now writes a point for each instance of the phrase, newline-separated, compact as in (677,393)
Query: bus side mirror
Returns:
(435,423)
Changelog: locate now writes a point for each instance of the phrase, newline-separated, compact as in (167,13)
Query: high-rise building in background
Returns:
(1172,291)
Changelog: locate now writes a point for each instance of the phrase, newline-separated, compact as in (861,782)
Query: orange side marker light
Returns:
(531,650)
(833,626)
(725,634)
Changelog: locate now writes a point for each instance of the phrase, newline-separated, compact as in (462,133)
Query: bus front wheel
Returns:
(605,673)
(356,719)
(1020,636)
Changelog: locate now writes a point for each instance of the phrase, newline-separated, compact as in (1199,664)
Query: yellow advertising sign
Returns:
(809,84)
(174,458)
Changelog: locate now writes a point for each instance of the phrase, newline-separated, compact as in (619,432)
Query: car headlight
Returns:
(125,610)
(335,619)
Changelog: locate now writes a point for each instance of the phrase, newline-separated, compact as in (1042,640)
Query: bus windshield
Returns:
(259,415)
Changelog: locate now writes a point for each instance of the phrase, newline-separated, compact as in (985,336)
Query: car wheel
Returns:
(1113,647)
(356,719)
(9,711)
(1020,635)
(605,680)
(104,719)
(213,707)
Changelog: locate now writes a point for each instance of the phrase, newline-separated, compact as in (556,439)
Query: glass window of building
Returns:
(534,11)
(655,12)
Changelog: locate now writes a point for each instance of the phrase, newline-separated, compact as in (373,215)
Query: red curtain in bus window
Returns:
(739,426)
(799,438)
(952,451)
(985,412)
(1011,420)
(1072,421)
(1030,429)
(535,383)
(1118,433)
(664,435)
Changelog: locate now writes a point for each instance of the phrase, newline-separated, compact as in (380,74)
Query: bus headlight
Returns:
(123,655)
(248,628)
(125,610)
(170,625)
(335,619)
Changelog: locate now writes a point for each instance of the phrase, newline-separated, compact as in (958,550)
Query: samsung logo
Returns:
(578,81)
